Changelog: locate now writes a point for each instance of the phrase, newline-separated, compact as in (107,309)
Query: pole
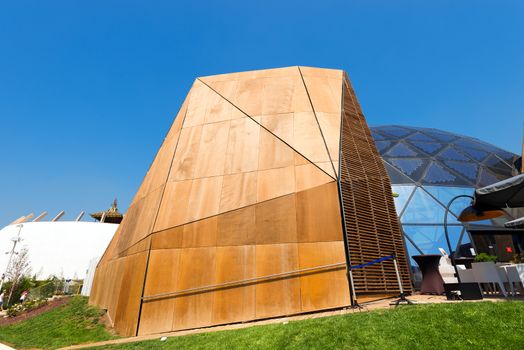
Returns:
(11,253)
(402,297)
(398,277)
(451,255)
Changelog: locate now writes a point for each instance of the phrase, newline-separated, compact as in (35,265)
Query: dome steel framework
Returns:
(427,168)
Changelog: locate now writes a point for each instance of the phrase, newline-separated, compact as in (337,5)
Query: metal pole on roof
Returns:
(15,240)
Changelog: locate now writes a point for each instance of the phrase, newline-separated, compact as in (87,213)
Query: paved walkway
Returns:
(5,347)
(382,304)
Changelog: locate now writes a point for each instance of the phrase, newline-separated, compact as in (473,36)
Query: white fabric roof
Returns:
(62,248)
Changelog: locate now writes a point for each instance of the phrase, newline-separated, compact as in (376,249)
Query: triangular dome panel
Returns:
(423,209)
(420,137)
(428,147)
(468,169)
(451,153)
(412,167)
(437,174)
(401,150)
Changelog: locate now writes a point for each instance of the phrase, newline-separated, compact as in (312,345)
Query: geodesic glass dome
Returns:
(428,167)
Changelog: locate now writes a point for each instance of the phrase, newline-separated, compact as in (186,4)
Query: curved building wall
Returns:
(427,168)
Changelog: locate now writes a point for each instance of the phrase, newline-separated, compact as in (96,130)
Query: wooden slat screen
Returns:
(372,225)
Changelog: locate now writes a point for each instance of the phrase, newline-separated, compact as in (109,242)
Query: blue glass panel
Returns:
(452,154)
(441,136)
(412,167)
(377,136)
(430,238)
(475,153)
(446,193)
(422,209)
(437,174)
(403,193)
(412,251)
(469,143)
(501,174)
(396,176)
(420,137)
(486,178)
(428,147)
(507,156)
(496,162)
(396,131)
(467,169)
(382,145)
(401,150)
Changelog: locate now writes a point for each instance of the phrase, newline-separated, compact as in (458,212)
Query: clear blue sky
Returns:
(88,89)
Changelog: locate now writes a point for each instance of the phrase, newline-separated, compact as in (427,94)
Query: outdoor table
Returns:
(432,282)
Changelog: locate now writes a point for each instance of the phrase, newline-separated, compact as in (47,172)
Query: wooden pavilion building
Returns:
(266,187)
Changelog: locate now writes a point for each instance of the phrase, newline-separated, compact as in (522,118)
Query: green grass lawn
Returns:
(72,323)
(439,326)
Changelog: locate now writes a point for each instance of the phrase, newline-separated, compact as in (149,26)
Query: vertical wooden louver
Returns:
(371,222)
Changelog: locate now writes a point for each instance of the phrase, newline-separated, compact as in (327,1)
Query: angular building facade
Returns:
(266,186)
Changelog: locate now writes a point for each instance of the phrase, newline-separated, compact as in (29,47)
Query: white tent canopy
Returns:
(62,248)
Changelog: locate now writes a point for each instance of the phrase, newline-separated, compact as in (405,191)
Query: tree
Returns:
(17,272)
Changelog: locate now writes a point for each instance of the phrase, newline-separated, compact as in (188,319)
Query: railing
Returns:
(277,276)
(248,281)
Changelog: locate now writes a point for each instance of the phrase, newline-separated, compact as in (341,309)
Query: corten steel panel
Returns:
(234,304)
(157,315)
(372,226)
(202,233)
(266,97)
(241,197)
(197,268)
(278,296)
(238,190)
(276,220)
(168,239)
(237,227)
(333,284)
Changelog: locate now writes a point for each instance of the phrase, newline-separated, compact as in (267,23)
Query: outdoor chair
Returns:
(466,275)
(514,278)
(446,268)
